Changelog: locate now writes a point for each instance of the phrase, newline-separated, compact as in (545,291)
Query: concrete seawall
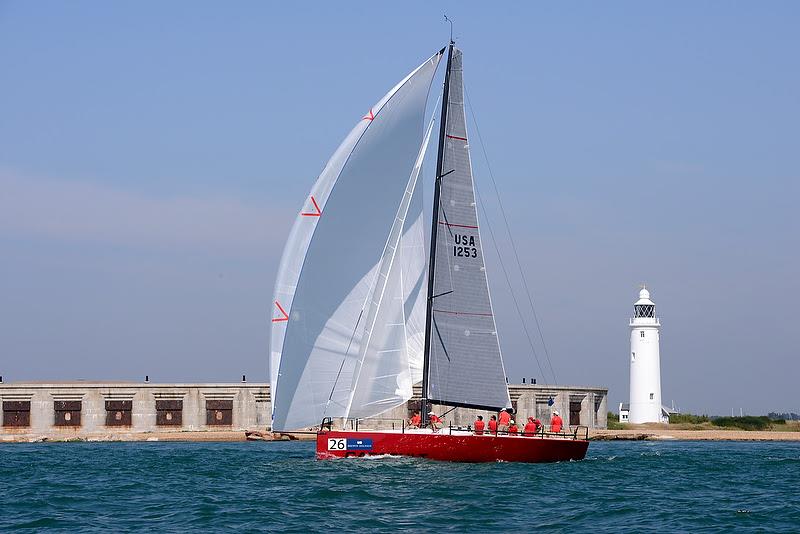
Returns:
(135,411)
(80,409)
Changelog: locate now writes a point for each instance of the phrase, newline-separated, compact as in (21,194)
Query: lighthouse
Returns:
(645,400)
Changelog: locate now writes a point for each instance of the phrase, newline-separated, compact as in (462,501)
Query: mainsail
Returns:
(465,367)
(335,277)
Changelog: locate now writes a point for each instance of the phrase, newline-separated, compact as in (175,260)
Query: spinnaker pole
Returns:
(434,229)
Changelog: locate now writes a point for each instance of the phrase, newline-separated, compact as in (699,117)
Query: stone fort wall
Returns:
(85,409)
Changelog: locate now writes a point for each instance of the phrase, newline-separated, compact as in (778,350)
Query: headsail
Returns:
(465,366)
(413,256)
(334,255)
(383,375)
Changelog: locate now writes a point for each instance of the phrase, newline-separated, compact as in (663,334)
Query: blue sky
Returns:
(153,156)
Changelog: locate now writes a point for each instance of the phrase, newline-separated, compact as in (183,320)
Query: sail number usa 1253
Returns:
(465,246)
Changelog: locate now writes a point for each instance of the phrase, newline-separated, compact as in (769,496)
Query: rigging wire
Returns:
(508,280)
(344,359)
(513,244)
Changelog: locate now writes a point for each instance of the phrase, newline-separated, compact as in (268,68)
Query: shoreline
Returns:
(234,436)
(667,434)
(188,436)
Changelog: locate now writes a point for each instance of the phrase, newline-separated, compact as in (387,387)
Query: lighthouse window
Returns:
(641,333)
(633,356)
(651,396)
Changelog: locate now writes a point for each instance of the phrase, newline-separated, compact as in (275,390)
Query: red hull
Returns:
(452,448)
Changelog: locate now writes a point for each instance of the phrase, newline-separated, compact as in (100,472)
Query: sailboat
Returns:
(360,316)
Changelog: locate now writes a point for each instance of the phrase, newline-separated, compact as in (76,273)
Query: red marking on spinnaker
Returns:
(316,207)
(369,116)
(280,319)
(458,225)
(465,313)
(456,137)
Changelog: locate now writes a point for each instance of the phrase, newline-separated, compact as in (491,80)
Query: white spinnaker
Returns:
(294,251)
(328,266)
(383,378)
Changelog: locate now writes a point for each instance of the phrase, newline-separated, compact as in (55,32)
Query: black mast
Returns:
(434,229)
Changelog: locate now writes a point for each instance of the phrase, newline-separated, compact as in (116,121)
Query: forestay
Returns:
(329,269)
(465,367)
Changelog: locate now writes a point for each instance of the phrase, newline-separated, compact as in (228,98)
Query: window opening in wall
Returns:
(219,412)
(169,412)
(641,333)
(574,413)
(633,356)
(598,400)
(16,413)
(67,413)
(118,412)
(651,396)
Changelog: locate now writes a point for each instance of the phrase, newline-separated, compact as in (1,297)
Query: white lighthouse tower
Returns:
(645,401)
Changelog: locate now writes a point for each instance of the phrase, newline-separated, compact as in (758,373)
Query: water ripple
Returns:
(279,487)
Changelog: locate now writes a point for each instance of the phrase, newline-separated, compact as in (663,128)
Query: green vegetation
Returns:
(687,418)
(687,421)
(613,422)
(748,422)
(791,416)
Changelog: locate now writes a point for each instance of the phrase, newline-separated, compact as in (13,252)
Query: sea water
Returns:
(174,487)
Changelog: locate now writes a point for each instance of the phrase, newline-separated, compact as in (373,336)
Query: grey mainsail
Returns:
(465,367)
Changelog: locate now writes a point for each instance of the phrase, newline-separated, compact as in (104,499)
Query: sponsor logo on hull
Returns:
(349,444)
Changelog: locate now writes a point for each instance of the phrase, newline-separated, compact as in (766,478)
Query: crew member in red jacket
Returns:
(479,426)
(504,418)
(513,429)
(556,422)
(530,427)
(539,425)
(493,425)
(415,420)
(436,422)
